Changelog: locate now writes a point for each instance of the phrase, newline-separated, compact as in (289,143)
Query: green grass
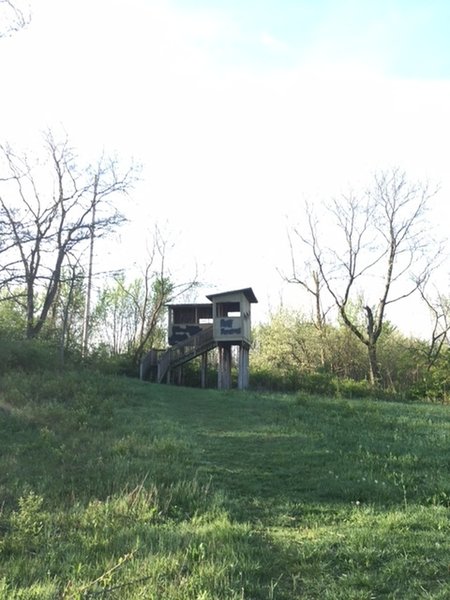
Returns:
(110,488)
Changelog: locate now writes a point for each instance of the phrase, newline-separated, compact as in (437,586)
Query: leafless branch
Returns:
(13,17)
(379,235)
(43,231)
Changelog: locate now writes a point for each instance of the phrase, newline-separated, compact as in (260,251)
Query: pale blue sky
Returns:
(403,38)
(238,110)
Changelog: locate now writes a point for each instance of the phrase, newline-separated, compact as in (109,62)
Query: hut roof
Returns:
(248,293)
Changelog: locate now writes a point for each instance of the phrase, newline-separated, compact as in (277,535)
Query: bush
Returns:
(317,383)
(27,355)
(270,379)
(118,364)
(434,387)
(349,388)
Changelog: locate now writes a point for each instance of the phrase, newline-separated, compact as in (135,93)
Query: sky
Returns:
(238,112)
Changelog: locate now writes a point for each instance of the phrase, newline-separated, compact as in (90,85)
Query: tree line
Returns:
(291,354)
(354,257)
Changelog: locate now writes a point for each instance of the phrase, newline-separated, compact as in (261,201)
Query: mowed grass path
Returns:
(110,488)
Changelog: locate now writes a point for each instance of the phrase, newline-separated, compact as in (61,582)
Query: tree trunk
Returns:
(374,369)
(87,308)
(30,310)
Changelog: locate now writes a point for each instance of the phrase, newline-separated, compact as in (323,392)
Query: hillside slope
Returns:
(114,488)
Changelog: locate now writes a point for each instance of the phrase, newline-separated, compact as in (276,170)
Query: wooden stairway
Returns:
(185,351)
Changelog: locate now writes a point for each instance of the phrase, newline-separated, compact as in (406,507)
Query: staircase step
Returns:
(186,351)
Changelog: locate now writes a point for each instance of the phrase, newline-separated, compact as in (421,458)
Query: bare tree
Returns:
(439,307)
(379,253)
(159,288)
(106,181)
(308,277)
(129,313)
(46,211)
(13,17)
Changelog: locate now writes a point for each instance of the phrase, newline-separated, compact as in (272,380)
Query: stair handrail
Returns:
(177,352)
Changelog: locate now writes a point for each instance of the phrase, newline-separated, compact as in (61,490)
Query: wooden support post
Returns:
(179,375)
(224,373)
(243,378)
(204,370)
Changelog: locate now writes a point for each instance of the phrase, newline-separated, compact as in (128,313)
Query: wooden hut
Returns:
(232,327)
(196,329)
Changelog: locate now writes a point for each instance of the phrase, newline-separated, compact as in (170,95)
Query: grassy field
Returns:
(111,488)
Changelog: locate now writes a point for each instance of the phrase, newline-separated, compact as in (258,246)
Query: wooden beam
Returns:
(243,377)
(224,372)
(204,370)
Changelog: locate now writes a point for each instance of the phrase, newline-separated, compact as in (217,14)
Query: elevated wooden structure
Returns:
(195,329)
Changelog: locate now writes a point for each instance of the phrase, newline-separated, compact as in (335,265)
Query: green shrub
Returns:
(317,383)
(349,388)
(27,355)
(118,364)
(434,387)
(265,378)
